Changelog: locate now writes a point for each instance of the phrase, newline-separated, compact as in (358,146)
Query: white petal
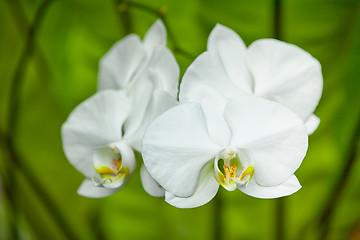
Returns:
(312,123)
(94,123)
(140,95)
(207,70)
(161,73)
(155,36)
(222,35)
(159,103)
(286,74)
(127,156)
(88,189)
(213,104)
(176,146)
(205,190)
(273,136)
(120,64)
(217,128)
(164,71)
(150,185)
(286,188)
(231,50)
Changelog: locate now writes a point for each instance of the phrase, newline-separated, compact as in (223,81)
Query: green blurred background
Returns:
(41,82)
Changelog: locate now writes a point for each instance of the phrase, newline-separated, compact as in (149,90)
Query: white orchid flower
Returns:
(131,62)
(268,68)
(140,67)
(254,145)
(137,82)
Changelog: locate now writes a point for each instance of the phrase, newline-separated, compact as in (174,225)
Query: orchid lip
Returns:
(109,166)
(233,169)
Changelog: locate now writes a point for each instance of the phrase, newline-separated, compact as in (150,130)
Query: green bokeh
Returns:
(62,72)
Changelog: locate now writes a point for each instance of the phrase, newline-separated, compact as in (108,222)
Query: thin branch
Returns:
(161,13)
(180,51)
(46,200)
(176,47)
(281,202)
(7,183)
(277,19)
(169,31)
(19,15)
(23,25)
(280,219)
(218,217)
(20,69)
(96,224)
(14,158)
(143,7)
(334,197)
(124,15)
(11,188)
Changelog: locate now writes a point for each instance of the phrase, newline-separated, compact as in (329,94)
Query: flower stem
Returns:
(11,164)
(280,203)
(160,13)
(330,206)
(39,190)
(20,69)
(218,218)
(122,8)
(280,219)
(23,25)
(96,224)
(9,193)
(14,161)
(277,19)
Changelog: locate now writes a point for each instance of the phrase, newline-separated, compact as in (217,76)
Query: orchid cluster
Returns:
(241,120)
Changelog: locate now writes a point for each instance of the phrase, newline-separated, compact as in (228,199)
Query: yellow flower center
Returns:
(109,166)
(231,172)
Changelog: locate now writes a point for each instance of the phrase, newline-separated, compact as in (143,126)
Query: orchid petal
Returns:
(232,51)
(222,35)
(127,156)
(217,128)
(155,36)
(88,189)
(207,70)
(140,95)
(164,71)
(213,104)
(206,190)
(286,74)
(312,123)
(94,123)
(159,103)
(150,185)
(273,136)
(119,65)
(176,146)
(162,74)
(286,188)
